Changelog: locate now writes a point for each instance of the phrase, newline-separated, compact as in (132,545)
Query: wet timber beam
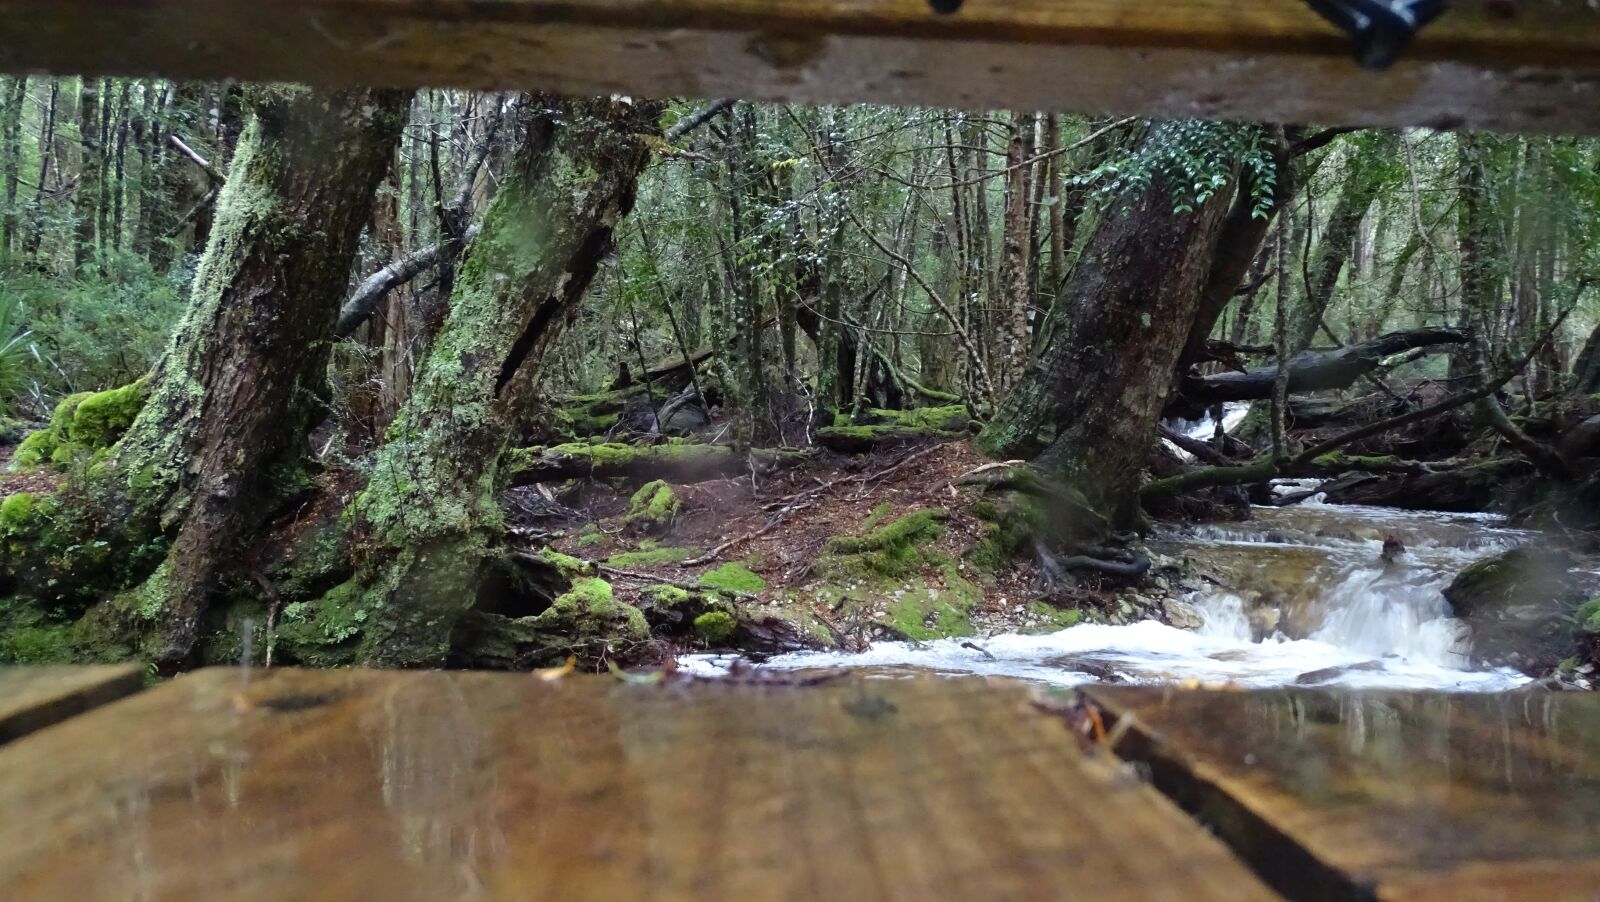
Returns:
(1528,65)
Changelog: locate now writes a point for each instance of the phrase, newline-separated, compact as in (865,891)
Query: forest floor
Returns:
(880,546)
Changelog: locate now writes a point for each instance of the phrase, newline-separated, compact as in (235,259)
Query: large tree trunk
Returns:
(234,398)
(1124,317)
(429,520)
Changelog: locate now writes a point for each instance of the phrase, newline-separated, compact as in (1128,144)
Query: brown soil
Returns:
(848,493)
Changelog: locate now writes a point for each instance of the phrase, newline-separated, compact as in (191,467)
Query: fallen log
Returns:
(1311,371)
(1468,489)
(877,429)
(680,464)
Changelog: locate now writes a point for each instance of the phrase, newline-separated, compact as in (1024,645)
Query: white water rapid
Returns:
(1298,595)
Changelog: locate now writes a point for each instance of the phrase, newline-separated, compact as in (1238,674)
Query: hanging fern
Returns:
(1196,159)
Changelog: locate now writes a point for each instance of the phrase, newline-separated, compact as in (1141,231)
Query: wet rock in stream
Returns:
(1520,607)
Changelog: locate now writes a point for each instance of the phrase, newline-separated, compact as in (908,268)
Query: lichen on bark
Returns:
(429,519)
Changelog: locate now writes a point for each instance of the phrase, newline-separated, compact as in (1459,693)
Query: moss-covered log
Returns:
(428,520)
(674,463)
(875,429)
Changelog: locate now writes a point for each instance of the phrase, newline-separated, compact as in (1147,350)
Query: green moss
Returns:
(590,612)
(715,627)
(15,513)
(669,596)
(1588,617)
(28,637)
(81,425)
(735,578)
(653,558)
(1335,460)
(892,550)
(1053,619)
(929,613)
(565,564)
(325,632)
(607,453)
(34,450)
(950,418)
(102,418)
(654,506)
(590,536)
(876,517)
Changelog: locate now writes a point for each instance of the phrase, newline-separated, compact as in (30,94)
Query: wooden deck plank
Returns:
(1534,68)
(32,698)
(338,785)
(1401,795)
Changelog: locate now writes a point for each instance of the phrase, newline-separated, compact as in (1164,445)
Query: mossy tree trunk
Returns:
(234,398)
(429,519)
(1087,408)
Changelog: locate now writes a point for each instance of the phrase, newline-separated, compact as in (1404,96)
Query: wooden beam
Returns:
(357,785)
(32,698)
(1381,794)
(1532,66)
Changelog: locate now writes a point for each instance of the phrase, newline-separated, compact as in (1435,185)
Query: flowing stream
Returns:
(1298,595)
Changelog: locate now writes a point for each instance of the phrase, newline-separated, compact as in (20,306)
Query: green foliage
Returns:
(715,627)
(654,557)
(104,326)
(19,354)
(733,578)
(1588,617)
(82,424)
(1194,159)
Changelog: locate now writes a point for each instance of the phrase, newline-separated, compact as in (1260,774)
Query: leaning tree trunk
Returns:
(429,520)
(1088,408)
(1361,188)
(232,402)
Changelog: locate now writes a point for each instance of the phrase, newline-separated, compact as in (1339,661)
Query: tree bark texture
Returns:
(429,517)
(232,402)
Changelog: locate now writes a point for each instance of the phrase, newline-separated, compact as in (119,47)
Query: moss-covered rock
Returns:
(1520,606)
(653,507)
(892,550)
(1050,619)
(81,425)
(715,627)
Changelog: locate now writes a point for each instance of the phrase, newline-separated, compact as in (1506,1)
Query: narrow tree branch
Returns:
(689,123)
(194,157)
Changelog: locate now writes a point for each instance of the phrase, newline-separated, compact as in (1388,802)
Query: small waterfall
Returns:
(1383,612)
(1297,595)
(1224,616)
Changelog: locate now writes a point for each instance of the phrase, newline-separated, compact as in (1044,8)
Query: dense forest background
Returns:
(819,267)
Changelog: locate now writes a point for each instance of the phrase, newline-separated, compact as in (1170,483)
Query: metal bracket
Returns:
(1382,29)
